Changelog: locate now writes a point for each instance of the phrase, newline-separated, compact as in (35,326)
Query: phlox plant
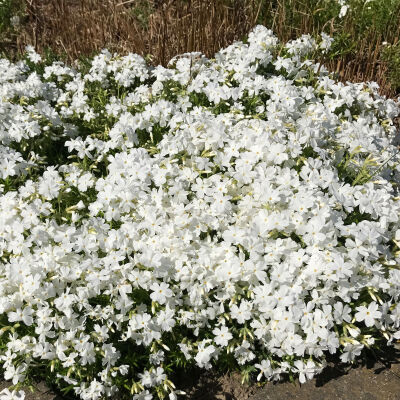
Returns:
(240,211)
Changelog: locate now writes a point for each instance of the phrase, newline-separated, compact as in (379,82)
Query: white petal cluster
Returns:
(242,209)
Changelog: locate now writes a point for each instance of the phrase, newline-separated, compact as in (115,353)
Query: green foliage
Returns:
(343,45)
(142,9)
(391,55)
(8,10)
(377,15)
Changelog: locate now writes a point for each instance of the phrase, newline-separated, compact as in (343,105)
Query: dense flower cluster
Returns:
(234,211)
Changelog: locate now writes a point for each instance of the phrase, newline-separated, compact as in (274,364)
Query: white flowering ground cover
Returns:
(235,212)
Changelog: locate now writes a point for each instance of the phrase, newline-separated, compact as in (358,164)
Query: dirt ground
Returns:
(376,378)
(362,383)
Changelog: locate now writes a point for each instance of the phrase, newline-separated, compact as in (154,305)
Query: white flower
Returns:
(145,395)
(185,349)
(343,11)
(15,21)
(265,369)
(146,378)
(241,313)
(157,358)
(326,42)
(5,394)
(32,55)
(161,292)
(305,370)
(234,208)
(222,336)
(204,354)
(351,351)
(368,314)
(24,315)
(159,375)
(15,374)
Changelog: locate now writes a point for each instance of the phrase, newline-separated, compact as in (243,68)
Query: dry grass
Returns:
(165,28)
(170,27)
